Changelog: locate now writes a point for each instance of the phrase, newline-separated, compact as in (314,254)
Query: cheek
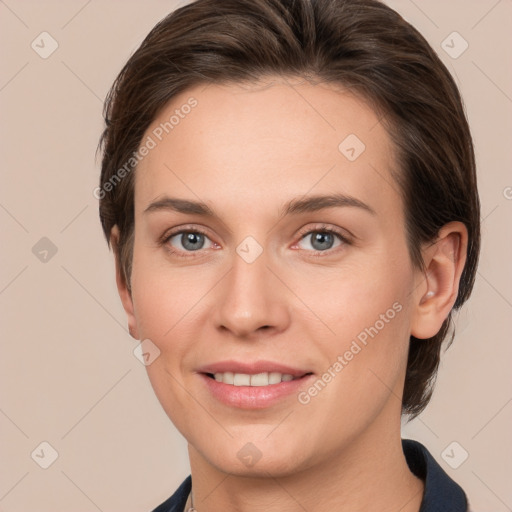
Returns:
(166,302)
(367,311)
(363,374)
(165,297)
(352,297)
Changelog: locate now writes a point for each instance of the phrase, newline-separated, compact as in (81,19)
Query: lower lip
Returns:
(254,397)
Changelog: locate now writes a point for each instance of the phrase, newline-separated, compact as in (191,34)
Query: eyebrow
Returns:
(295,206)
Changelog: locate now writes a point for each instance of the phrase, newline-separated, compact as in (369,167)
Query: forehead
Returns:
(262,143)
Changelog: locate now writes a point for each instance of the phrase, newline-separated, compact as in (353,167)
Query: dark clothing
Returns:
(441,494)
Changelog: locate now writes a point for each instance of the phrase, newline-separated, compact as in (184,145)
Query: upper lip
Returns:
(251,368)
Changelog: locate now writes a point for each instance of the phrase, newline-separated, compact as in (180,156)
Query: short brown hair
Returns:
(362,45)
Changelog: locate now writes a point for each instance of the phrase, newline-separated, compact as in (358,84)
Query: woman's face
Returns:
(284,256)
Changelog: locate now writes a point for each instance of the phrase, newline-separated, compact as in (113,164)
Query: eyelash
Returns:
(302,234)
(322,228)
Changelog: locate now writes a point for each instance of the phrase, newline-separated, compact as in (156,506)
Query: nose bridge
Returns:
(251,296)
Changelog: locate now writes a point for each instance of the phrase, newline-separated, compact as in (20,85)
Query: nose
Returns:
(251,300)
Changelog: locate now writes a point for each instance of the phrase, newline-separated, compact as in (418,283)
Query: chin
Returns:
(277,465)
(262,457)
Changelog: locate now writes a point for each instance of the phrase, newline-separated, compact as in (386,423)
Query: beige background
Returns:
(68,374)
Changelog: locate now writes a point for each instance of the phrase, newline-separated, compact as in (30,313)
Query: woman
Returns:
(289,189)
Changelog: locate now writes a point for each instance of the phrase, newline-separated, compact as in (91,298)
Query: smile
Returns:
(256,385)
(258,379)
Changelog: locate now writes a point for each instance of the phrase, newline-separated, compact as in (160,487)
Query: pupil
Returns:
(192,241)
(322,241)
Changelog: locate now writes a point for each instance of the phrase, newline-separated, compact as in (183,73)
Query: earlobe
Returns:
(437,291)
(122,286)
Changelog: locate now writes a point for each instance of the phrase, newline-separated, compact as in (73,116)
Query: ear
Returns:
(122,286)
(436,290)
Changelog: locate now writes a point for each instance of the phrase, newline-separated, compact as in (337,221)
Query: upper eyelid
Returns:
(169,233)
(342,233)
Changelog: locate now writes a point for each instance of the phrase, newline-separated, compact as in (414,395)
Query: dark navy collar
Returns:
(177,502)
(441,492)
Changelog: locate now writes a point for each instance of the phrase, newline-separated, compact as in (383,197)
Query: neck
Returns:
(370,474)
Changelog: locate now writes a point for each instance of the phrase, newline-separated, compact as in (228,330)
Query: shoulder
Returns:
(441,492)
(176,503)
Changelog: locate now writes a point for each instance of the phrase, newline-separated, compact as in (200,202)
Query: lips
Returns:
(252,368)
(252,385)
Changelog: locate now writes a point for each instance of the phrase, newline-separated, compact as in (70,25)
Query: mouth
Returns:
(256,385)
(255,380)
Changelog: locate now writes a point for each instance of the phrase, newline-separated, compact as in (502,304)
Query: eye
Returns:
(188,241)
(321,240)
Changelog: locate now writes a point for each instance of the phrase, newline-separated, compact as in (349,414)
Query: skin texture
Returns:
(245,151)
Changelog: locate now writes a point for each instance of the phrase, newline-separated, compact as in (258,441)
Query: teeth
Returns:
(259,379)
(274,378)
(242,379)
(227,377)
